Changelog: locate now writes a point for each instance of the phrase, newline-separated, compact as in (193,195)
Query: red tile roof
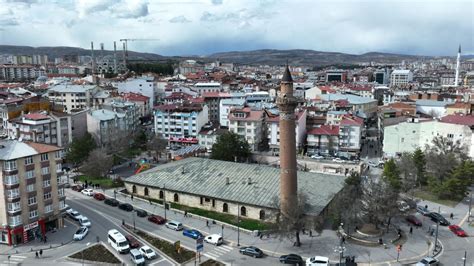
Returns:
(42,148)
(324,130)
(36,116)
(135,97)
(351,121)
(459,119)
(215,95)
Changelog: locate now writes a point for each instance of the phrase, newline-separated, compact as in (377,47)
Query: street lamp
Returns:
(238,225)
(436,237)
(464,258)
(133,214)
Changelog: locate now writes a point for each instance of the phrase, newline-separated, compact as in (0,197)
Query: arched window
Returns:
(146,191)
(162,195)
(262,215)
(243,211)
(225,208)
(176,198)
(134,189)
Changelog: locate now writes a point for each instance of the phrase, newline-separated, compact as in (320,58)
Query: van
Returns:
(118,241)
(177,226)
(137,257)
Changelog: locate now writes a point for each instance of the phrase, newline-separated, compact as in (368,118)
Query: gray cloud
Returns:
(216,2)
(179,19)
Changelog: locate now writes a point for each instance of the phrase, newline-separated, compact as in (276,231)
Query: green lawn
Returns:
(103,182)
(96,253)
(427,195)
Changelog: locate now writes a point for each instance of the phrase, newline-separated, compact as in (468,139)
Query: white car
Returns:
(317,261)
(428,261)
(68,209)
(214,239)
(74,215)
(317,157)
(338,160)
(177,226)
(88,192)
(84,221)
(147,252)
(81,233)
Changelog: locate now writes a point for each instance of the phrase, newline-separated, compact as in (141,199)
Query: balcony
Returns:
(14,222)
(15,211)
(12,196)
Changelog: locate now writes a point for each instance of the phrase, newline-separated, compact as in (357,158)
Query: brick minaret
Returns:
(288,182)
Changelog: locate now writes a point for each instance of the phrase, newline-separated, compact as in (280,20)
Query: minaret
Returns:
(288,180)
(458,63)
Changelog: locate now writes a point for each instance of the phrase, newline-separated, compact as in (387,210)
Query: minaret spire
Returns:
(458,63)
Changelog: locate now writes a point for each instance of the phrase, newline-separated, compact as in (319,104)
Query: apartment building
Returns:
(249,124)
(181,123)
(323,140)
(72,97)
(225,105)
(142,101)
(212,100)
(351,130)
(131,111)
(142,85)
(33,195)
(400,77)
(106,126)
(273,130)
(20,72)
(202,87)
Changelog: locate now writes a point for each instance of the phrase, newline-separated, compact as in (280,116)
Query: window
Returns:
(47,183)
(162,195)
(48,208)
(145,191)
(11,180)
(58,154)
(243,211)
(30,174)
(225,207)
(213,203)
(30,188)
(176,197)
(44,157)
(45,170)
(62,204)
(32,200)
(47,196)
(9,165)
(15,220)
(33,214)
(262,215)
(13,193)
(61,192)
(450,136)
(28,160)
(12,207)
(134,189)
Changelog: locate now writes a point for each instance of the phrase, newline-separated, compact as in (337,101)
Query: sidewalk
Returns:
(324,245)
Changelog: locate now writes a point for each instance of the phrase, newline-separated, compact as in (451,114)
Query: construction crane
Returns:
(125,47)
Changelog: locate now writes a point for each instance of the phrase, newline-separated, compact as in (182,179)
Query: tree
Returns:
(80,148)
(420,165)
(157,144)
(407,169)
(97,164)
(230,146)
(140,140)
(392,175)
(349,200)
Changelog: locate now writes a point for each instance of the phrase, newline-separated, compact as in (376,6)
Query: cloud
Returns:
(114,8)
(216,2)
(132,9)
(179,19)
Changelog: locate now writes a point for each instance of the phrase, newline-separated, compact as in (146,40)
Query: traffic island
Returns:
(212,262)
(96,254)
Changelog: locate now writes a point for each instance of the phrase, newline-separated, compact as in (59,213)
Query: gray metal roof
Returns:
(64,88)
(14,149)
(104,114)
(353,99)
(432,103)
(206,177)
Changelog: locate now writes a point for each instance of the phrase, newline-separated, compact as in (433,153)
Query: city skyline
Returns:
(206,27)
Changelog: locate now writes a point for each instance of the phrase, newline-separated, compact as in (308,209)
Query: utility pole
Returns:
(164,198)
(238,224)
(436,237)
(470,203)
(465,257)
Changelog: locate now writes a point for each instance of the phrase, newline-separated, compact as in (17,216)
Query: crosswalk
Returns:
(217,251)
(14,260)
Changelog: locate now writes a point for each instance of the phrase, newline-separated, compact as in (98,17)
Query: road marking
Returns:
(225,248)
(210,256)
(463,219)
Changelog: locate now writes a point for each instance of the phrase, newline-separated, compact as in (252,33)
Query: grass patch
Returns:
(96,253)
(168,248)
(102,181)
(212,262)
(427,195)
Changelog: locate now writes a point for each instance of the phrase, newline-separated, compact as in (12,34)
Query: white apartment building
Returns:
(351,130)
(142,85)
(249,124)
(131,111)
(225,106)
(400,77)
(208,136)
(106,126)
(201,87)
(273,130)
(72,97)
(181,123)
(20,72)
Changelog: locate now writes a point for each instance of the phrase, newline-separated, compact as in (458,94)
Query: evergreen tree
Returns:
(80,149)
(392,175)
(420,164)
(230,146)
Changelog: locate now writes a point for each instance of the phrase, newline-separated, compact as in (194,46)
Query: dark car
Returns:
(111,202)
(413,220)
(77,188)
(251,251)
(99,196)
(424,211)
(132,241)
(126,207)
(141,213)
(291,259)
(156,219)
(438,218)
(195,234)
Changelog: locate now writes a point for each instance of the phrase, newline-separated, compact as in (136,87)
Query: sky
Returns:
(201,27)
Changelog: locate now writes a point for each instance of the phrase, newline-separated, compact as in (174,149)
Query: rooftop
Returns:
(206,177)
(14,149)
(459,119)
(324,130)
(431,103)
(353,99)
(63,88)
(104,114)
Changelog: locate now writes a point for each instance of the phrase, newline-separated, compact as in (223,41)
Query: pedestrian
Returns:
(207,223)
(41,253)
(185,213)
(451,216)
(426,207)
(304,231)
(310,233)
(411,230)
(131,196)
(45,239)
(343,240)
(261,235)
(36,254)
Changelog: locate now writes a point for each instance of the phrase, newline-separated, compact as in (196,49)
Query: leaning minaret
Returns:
(458,62)
(288,181)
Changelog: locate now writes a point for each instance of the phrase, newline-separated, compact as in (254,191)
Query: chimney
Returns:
(115,58)
(235,158)
(182,170)
(102,49)
(227,181)
(93,58)
(249,181)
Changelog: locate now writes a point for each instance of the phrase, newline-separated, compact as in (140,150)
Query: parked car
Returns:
(111,202)
(141,213)
(147,252)
(317,261)
(428,261)
(126,207)
(372,164)
(457,230)
(132,241)
(88,192)
(317,157)
(214,239)
(68,209)
(424,211)
(84,221)
(99,196)
(77,188)
(291,259)
(438,218)
(403,206)
(137,257)
(75,215)
(177,226)
(80,233)
(156,219)
(195,234)
(251,251)
(413,220)
(338,160)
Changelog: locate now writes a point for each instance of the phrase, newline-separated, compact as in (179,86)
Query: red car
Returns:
(99,196)
(457,230)
(413,220)
(132,241)
(77,188)
(156,219)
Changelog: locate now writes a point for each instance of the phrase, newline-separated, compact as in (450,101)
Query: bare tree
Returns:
(97,164)
(444,155)
(157,144)
(408,171)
